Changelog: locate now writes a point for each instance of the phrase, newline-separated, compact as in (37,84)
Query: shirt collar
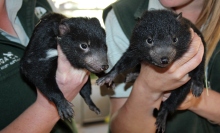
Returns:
(12,7)
(147,5)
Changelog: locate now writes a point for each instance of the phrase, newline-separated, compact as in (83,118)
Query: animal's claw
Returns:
(109,84)
(161,120)
(104,80)
(65,110)
(95,109)
(99,81)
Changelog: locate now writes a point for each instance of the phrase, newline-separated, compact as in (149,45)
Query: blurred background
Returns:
(82,8)
(87,121)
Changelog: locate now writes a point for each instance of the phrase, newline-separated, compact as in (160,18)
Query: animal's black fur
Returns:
(161,37)
(82,40)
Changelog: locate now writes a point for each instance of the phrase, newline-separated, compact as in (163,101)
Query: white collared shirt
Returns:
(12,7)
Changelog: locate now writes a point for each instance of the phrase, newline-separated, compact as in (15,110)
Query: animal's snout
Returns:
(104,67)
(164,60)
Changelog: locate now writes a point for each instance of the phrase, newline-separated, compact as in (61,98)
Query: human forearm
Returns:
(149,87)
(207,106)
(42,115)
(38,118)
(137,113)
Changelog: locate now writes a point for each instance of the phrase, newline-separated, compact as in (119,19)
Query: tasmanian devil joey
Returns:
(81,39)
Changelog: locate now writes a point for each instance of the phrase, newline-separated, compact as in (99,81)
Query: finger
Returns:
(60,53)
(166,95)
(63,63)
(185,78)
(192,51)
(65,70)
(186,103)
(190,60)
(194,62)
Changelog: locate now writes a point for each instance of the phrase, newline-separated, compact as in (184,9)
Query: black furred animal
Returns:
(161,37)
(81,39)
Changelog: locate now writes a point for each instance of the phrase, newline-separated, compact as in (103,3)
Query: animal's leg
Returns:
(85,92)
(127,61)
(133,75)
(53,93)
(197,77)
(161,118)
(170,105)
(50,89)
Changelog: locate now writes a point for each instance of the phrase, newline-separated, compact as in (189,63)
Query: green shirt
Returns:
(16,94)
(127,12)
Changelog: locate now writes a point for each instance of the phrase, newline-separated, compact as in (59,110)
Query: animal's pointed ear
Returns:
(63,29)
(95,21)
(179,16)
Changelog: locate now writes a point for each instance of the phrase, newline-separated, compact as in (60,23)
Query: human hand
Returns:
(160,80)
(189,102)
(69,79)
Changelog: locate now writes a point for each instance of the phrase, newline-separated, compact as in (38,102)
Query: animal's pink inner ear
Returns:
(63,29)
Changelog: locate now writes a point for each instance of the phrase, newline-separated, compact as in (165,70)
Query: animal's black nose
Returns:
(164,60)
(104,67)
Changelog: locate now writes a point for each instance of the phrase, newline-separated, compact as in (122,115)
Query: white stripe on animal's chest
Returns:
(49,54)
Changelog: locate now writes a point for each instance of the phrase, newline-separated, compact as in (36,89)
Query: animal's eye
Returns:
(83,46)
(175,39)
(149,41)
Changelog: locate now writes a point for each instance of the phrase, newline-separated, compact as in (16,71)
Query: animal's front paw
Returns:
(65,110)
(161,120)
(131,77)
(197,88)
(95,109)
(108,79)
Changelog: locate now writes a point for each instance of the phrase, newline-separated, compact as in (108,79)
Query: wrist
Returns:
(144,88)
(195,103)
(150,95)
(48,107)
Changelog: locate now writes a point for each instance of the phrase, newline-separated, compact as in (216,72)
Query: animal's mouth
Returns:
(96,64)
(156,63)
(94,69)
(159,64)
